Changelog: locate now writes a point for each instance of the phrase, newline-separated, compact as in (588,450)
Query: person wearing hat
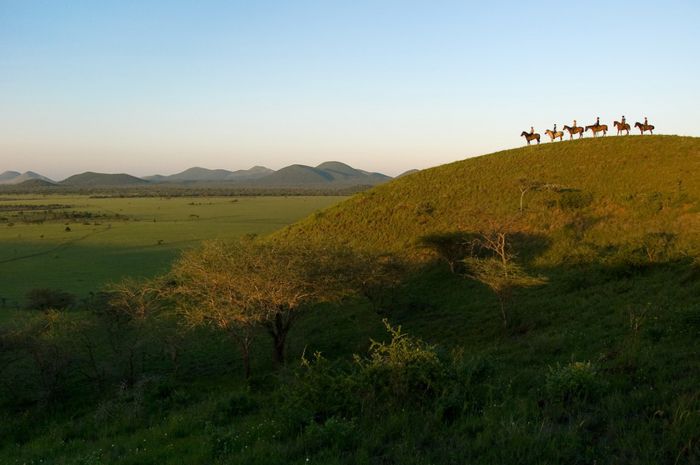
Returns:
(555,128)
(597,121)
(623,120)
(646,122)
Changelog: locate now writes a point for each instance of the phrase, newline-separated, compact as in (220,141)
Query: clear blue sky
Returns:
(158,86)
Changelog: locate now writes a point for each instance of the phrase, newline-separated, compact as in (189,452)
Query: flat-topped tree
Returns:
(242,285)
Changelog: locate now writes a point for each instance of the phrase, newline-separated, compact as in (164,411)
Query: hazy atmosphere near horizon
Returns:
(148,87)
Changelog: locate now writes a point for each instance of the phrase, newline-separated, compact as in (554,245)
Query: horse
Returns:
(577,130)
(622,127)
(529,137)
(553,135)
(644,127)
(596,128)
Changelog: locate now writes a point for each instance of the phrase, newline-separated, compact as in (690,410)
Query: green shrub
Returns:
(574,382)
(321,390)
(404,373)
(403,370)
(575,200)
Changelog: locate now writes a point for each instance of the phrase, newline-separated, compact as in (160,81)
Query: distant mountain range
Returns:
(198,174)
(328,174)
(14,178)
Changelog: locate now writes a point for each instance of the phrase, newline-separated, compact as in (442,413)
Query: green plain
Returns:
(143,242)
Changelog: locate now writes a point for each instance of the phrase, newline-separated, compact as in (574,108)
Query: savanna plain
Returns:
(534,306)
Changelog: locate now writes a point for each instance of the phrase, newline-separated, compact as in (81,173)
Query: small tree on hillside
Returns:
(210,287)
(125,312)
(451,247)
(526,185)
(497,269)
(375,275)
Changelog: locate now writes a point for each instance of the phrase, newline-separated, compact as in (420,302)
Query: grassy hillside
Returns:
(600,362)
(620,188)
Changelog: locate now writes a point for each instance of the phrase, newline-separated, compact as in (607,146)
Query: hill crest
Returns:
(622,187)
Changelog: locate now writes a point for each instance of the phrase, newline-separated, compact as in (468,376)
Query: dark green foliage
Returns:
(576,381)
(45,299)
(451,247)
(575,200)
(403,373)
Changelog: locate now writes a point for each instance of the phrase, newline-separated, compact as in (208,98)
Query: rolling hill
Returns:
(406,173)
(327,173)
(197,174)
(91,179)
(15,178)
(8,175)
(624,187)
(35,183)
(609,229)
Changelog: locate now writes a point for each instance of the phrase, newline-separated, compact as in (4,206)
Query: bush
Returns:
(404,373)
(404,370)
(575,200)
(574,382)
(45,299)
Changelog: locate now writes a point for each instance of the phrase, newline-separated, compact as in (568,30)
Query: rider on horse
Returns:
(555,128)
(623,120)
(574,127)
(597,121)
(646,122)
(532,130)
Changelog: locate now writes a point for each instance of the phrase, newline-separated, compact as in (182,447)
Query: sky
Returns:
(158,86)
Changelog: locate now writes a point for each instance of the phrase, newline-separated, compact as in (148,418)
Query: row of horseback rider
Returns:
(595,128)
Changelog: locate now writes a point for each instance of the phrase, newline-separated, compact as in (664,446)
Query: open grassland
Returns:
(78,243)
(599,364)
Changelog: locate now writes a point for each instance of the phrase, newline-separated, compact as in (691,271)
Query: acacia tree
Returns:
(239,286)
(124,312)
(209,288)
(497,269)
(525,185)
